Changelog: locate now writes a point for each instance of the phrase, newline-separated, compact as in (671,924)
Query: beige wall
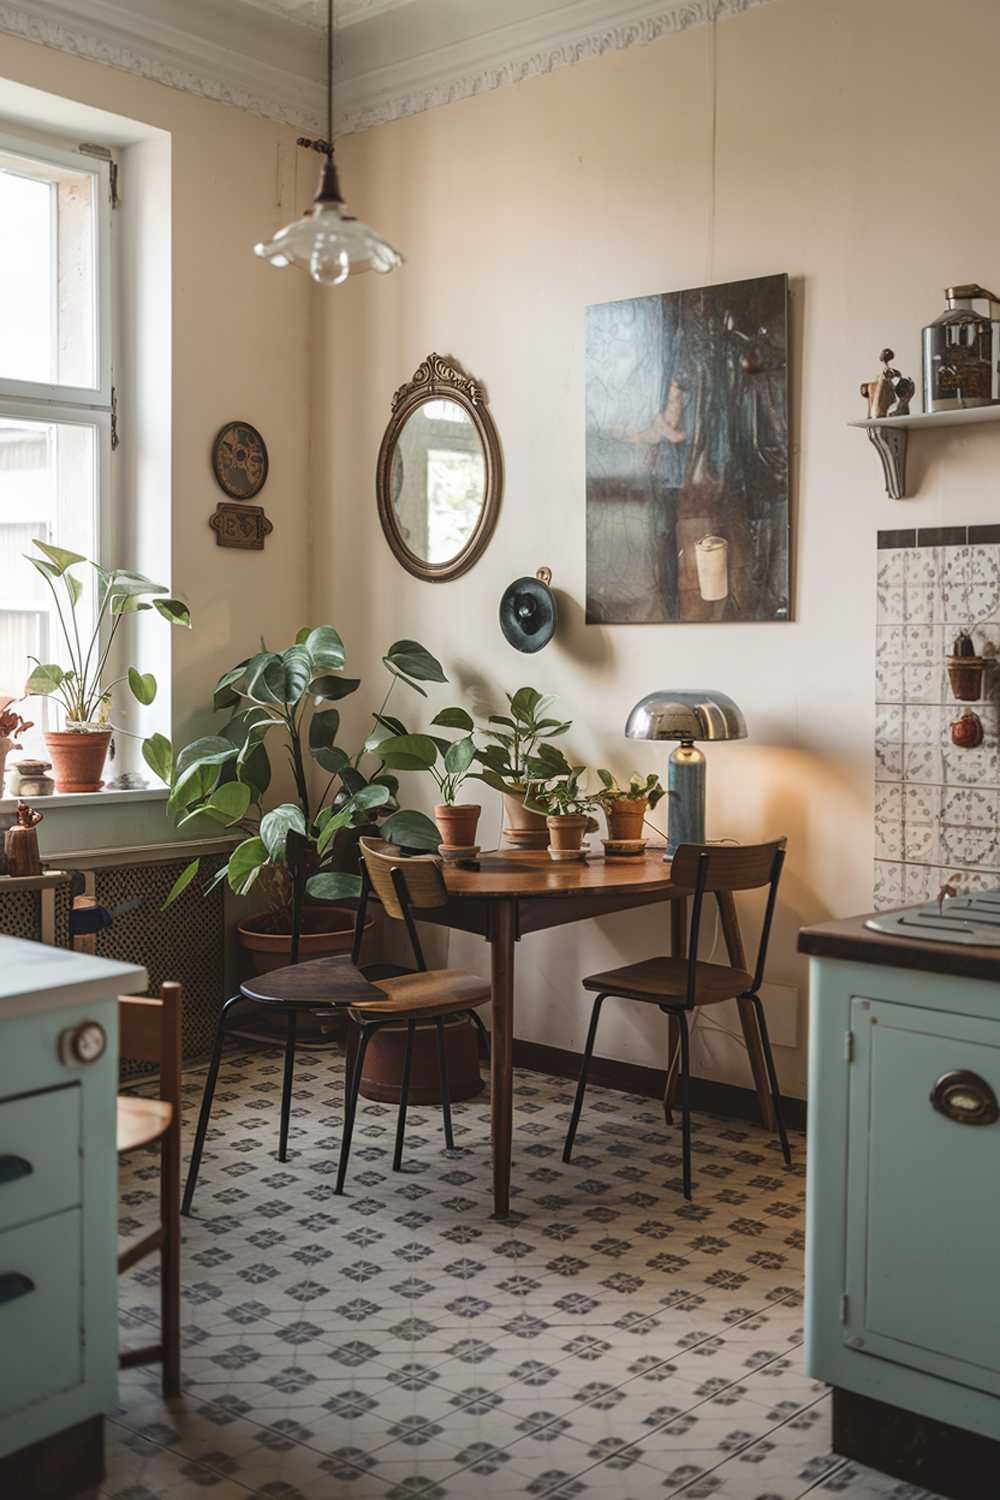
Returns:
(844,158)
(239,349)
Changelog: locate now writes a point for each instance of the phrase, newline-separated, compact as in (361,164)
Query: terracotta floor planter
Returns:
(523,829)
(384,1064)
(625,817)
(78,758)
(326,932)
(457,823)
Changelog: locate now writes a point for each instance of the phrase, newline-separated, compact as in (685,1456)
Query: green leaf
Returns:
(459,757)
(606,779)
(524,703)
(225,694)
(298,672)
(143,685)
(126,604)
(386,779)
(266,678)
(193,785)
(323,729)
(229,802)
(47,569)
(58,555)
(44,680)
(373,795)
(334,687)
(411,830)
(158,754)
(245,864)
(408,752)
(174,611)
(333,759)
(334,887)
(182,882)
(409,660)
(275,826)
(210,750)
(491,779)
(326,649)
(454,718)
(255,771)
(74,588)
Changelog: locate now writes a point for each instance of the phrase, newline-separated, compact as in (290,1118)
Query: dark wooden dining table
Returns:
(517,892)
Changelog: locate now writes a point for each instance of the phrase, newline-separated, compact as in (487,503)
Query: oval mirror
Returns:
(439,475)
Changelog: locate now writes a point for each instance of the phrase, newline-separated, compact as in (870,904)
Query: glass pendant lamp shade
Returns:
(328,242)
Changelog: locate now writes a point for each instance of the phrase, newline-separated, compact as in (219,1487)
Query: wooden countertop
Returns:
(851,940)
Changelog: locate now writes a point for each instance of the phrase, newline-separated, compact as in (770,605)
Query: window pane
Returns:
(48,491)
(47,279)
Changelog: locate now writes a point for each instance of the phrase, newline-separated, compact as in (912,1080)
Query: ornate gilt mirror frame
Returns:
(436,379)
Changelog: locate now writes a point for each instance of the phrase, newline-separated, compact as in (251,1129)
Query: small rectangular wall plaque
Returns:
(237,524)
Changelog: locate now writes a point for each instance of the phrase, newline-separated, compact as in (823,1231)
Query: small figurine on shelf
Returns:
(890,395)
(966,669)
(21,842)
(12,726)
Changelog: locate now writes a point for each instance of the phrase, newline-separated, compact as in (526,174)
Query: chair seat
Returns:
(141,1121)
(434,993)
(663,981)
(320,981)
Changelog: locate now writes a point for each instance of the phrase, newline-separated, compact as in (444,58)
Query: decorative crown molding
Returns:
(271,64)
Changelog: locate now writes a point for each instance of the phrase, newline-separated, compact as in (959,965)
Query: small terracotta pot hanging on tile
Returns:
(967,732)
(965,670)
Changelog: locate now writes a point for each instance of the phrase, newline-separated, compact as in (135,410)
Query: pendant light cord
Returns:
(329,78)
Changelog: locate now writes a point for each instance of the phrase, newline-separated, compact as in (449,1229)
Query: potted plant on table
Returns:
(521,751)
(79,751)
(225,778)
(625,806)
(567,808)
(449,763)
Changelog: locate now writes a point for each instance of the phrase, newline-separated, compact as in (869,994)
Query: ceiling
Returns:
(393,57)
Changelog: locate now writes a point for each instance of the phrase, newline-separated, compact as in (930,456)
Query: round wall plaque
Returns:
(239,460)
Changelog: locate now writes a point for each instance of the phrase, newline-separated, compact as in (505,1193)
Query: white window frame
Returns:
(47,394)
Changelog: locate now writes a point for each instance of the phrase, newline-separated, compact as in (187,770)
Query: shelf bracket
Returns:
(890,445)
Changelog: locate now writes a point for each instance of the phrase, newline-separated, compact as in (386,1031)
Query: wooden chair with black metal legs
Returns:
(679,986)
(150,1031)
(405,886)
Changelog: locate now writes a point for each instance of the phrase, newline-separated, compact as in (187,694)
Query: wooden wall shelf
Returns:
(889,437)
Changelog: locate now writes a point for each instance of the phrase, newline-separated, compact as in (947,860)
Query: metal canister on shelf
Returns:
(961,351)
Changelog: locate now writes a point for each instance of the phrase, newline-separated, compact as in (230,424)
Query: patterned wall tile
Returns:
(937,807)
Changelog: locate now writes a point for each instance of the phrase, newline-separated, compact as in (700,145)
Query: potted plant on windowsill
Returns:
(449,762)
(625,806)
(225,778)
(521,752)
(567,808)
(79,751)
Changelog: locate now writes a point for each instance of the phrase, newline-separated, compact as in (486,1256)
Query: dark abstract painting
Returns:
(687,456)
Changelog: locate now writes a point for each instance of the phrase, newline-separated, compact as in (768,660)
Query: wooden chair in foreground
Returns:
(678,986)
(150,1031)
(427,996)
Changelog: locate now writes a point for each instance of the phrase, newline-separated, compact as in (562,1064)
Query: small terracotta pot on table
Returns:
(457,823)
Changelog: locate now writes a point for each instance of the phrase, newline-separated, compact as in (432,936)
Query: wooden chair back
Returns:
(721,869)
(149,1030)
(420,875)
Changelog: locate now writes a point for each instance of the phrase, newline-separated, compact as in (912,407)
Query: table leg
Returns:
(748,1016)
(502,1051)
(678,949)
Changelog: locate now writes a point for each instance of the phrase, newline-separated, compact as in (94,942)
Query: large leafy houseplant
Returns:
(225,777)
(448,761)
(82,688)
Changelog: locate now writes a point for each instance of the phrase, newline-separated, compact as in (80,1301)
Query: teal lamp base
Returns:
(685,797)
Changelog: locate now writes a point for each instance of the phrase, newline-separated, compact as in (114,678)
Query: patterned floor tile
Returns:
(397,1343)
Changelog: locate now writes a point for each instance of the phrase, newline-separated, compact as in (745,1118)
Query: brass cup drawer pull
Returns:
(14,1284)
(966,1098)
(12,1168)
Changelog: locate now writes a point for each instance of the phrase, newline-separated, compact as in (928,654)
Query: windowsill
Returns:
(88,799)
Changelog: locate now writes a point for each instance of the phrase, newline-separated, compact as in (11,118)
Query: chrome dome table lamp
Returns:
(685,715)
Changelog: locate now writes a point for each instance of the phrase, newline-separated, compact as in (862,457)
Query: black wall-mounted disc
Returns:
(528,614)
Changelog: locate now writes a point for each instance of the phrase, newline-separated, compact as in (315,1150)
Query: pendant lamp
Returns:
(327,241)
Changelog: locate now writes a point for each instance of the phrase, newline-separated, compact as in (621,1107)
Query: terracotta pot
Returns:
(457,822)
(965,674)
(326,932)
(566,831)
(523,829)
(625,816)
(383,1070)
(78,758)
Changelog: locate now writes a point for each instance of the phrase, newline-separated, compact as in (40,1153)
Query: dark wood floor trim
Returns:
(633,1078)
(919,1450)
(56,1467)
